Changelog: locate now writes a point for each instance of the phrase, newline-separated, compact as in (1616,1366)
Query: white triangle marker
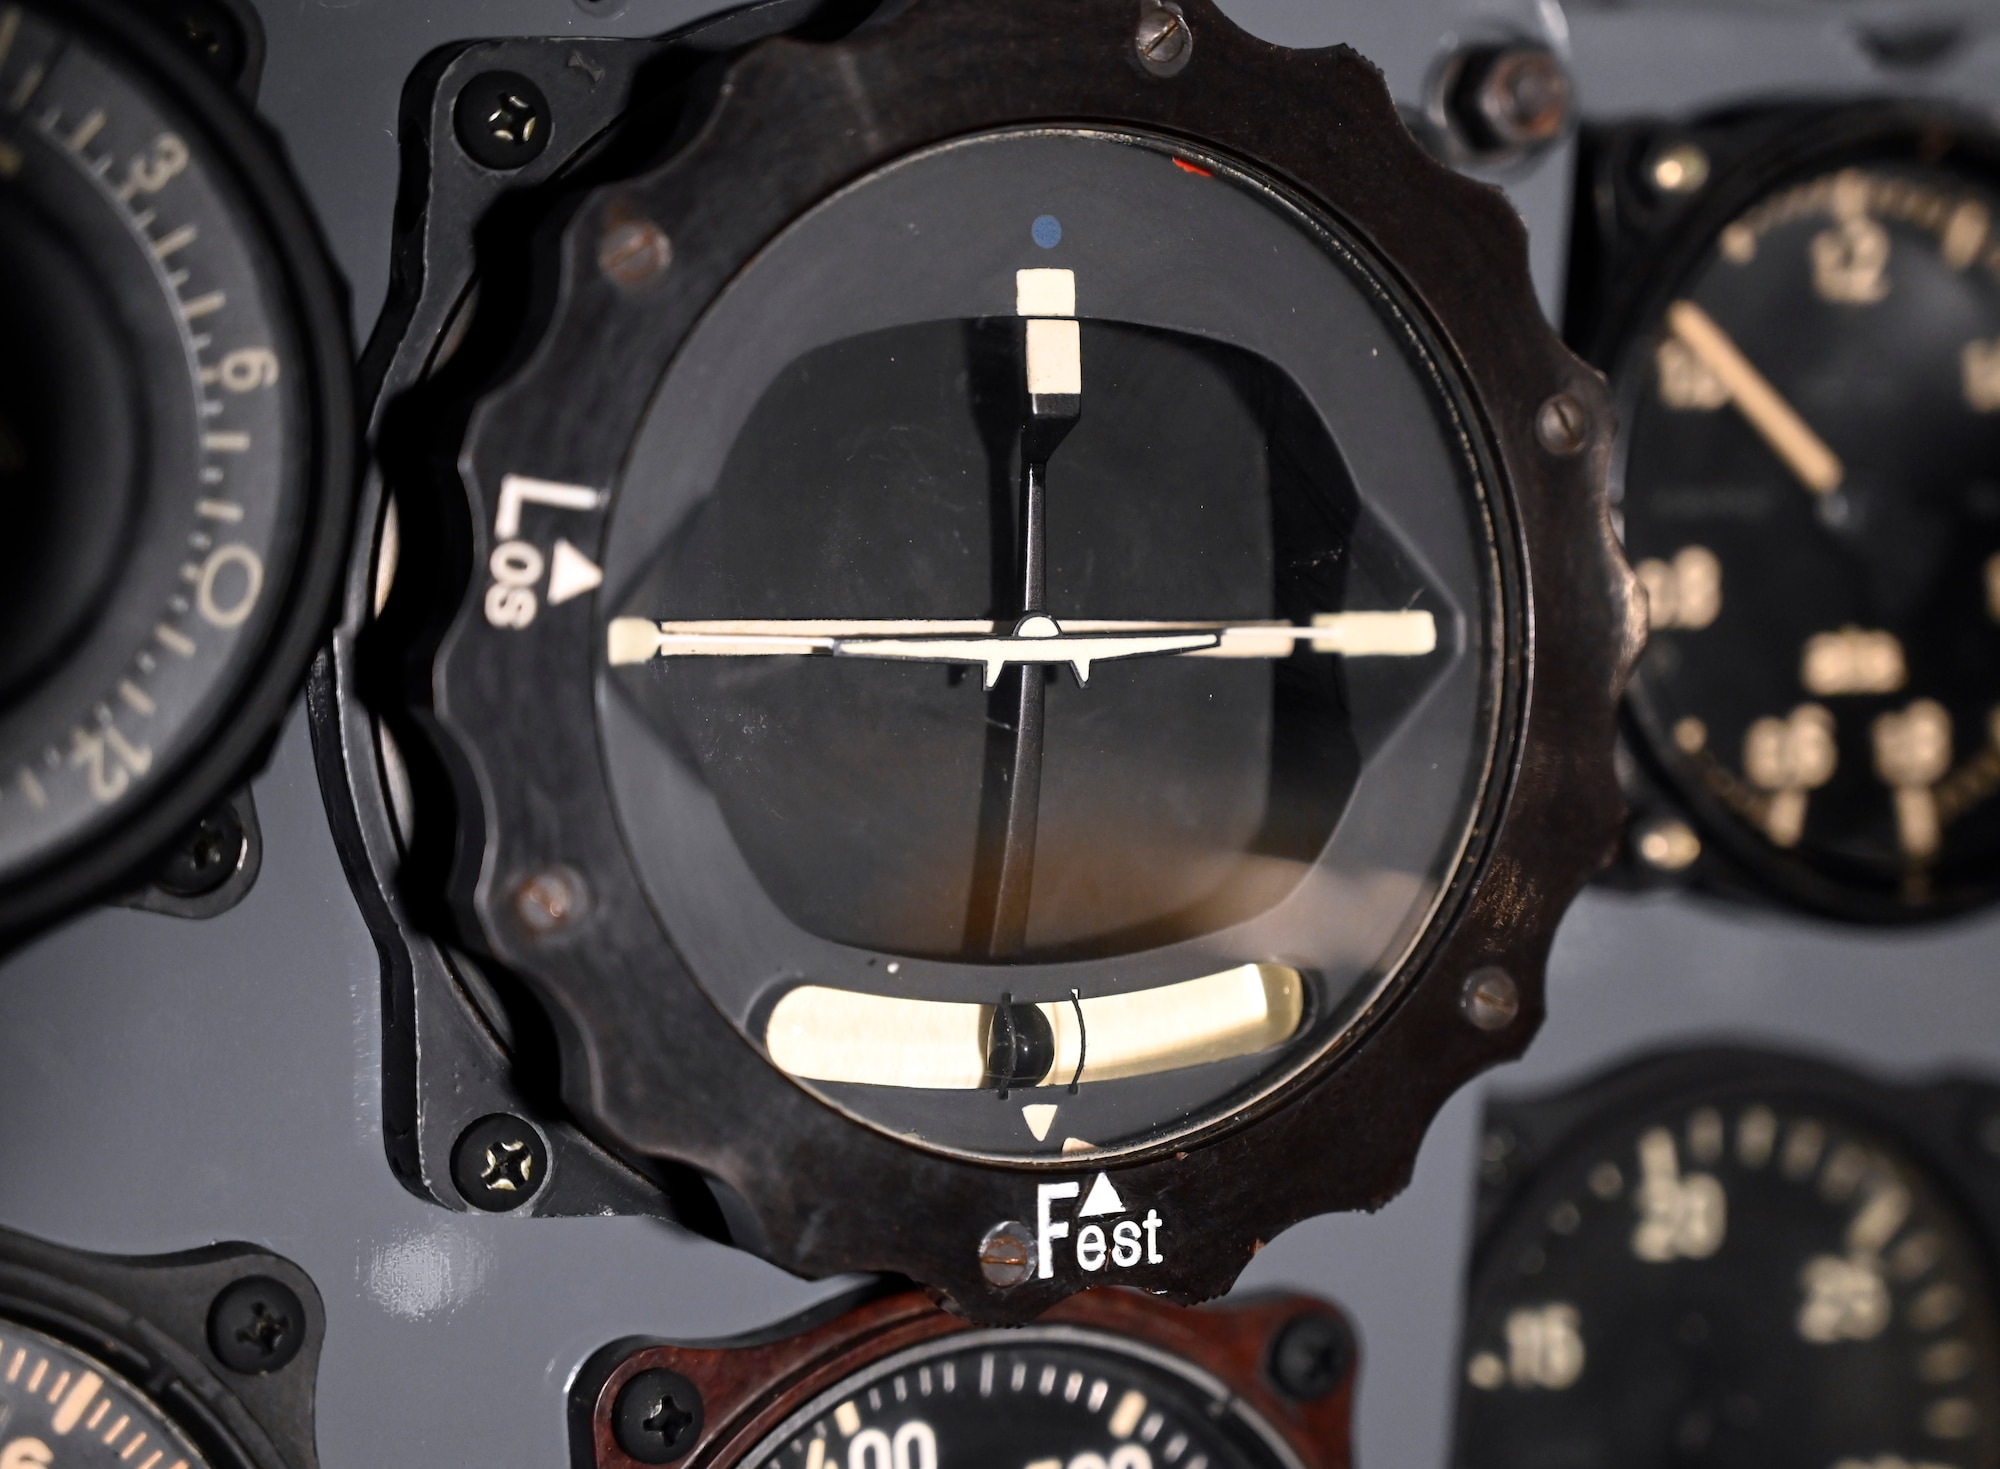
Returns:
(571,574)
(1040,1117)
(1102,1199)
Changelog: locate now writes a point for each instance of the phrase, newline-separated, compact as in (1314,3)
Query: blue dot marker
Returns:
(1048,231)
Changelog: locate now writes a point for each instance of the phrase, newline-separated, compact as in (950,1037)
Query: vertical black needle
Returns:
(1050,417)
(1051,352)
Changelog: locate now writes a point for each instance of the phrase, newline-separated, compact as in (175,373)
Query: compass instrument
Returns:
(1807,487)
(1720,1258)
(1108,1377)
(173,447)
(931,701)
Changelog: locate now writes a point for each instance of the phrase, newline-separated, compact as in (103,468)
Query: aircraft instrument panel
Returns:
(931,734)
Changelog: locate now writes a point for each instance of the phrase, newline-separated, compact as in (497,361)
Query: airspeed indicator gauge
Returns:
(1000,665)
(174,451)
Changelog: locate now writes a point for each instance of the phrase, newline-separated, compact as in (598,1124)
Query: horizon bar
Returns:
(633,640)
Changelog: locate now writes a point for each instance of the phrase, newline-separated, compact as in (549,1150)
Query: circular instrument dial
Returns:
(1811,496)
(1031,689)
(172,447)
(1011,646)
(1753,1281)
(59,1406)
(1057,1396)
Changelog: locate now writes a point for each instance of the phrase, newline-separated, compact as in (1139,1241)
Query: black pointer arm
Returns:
(1050,418)
(1044,431)
(1053,361)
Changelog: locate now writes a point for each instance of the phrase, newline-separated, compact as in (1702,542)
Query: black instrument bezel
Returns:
(648,1065)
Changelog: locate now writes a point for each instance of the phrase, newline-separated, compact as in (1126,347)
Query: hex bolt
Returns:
(551,900)
(207,857)
(1678,168)
(1163,40)
(1562,425)
(657,1417)
(1490,999)
(256,1325)
(1007,1254)
(499,1163)
(1666,844)
(1521,94)
(1310,1356)
(502,120)
(634,253)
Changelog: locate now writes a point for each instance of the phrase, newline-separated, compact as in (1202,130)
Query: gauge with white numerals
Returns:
(1048,1397)
(174,447)
(1742,1274)
(1106,1380)
(1810,491)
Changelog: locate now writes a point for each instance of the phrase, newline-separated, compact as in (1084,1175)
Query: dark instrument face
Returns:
(1047,1397)
(1254,621)
(60,1407)
(162,412)
(1752,1282)
(1812,497)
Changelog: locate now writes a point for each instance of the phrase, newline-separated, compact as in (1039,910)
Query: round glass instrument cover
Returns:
(156,439)
(61,1407)
(1054,639)
(1751,1282)
(1053,1396)
(1811,496)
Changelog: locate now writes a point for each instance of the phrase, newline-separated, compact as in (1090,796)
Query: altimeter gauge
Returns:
(1003,672)
(173,447)
(1809,487)
(1728,1258)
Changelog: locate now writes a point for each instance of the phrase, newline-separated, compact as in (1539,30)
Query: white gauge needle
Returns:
(1805,453)
(1405,634)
